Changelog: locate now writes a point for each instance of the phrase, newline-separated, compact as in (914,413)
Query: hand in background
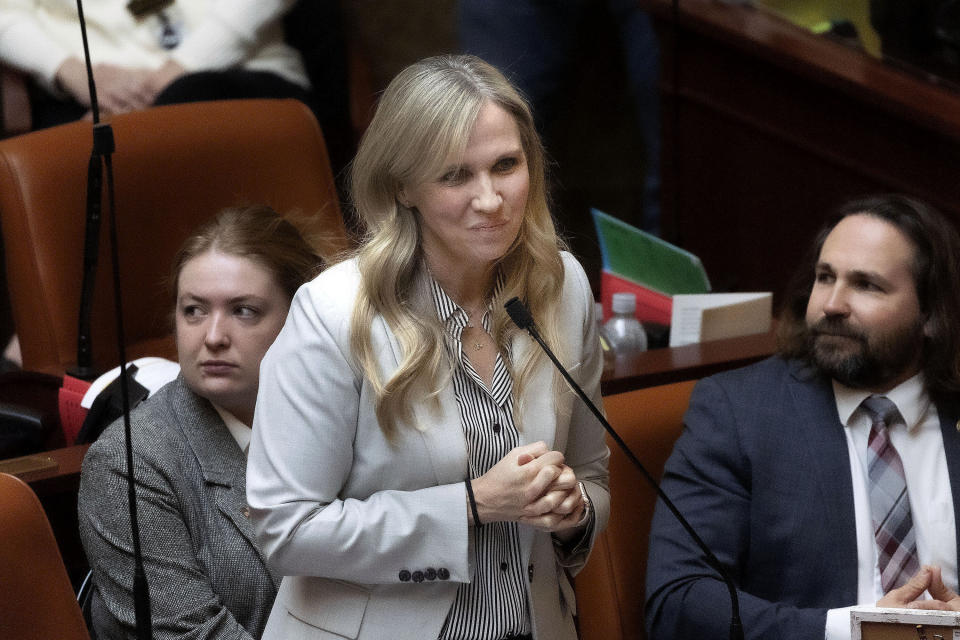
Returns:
(162,77)
(119,89)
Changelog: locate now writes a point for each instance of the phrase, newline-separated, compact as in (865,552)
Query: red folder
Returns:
(652,306)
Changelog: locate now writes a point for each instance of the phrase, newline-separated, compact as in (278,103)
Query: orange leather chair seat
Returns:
(610,589)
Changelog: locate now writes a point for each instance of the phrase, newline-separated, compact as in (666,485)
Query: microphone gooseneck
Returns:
(521,317)
(100,158)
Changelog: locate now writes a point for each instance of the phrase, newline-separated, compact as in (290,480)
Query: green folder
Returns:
(635,255)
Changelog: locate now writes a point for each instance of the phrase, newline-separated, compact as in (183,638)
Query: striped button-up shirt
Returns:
(494,604)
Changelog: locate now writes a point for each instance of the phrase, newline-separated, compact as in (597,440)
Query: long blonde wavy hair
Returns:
(424,118)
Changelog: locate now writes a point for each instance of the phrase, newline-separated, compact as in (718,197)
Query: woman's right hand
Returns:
(518,480)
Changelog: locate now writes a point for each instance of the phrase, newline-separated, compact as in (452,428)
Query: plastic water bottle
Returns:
(609,363)
(623,331)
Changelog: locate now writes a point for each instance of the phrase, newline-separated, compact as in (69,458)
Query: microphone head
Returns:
(519,313)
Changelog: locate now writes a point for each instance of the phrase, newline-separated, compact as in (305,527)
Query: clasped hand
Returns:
(531,485)
(119,89)
(927,579)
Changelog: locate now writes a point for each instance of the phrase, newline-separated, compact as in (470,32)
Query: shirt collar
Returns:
(910,397)
(452,314)
(240,432)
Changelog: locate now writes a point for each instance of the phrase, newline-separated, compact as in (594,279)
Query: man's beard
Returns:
(856,359)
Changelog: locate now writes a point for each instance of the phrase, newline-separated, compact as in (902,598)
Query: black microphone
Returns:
(521,317)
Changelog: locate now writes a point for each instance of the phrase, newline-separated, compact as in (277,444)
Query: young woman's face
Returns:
(471,213)
(229,311)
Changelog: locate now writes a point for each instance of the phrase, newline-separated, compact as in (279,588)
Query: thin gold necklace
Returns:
(477,345)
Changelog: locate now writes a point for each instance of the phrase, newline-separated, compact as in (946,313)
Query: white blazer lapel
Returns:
(438,426)
(538,417)
(443,436)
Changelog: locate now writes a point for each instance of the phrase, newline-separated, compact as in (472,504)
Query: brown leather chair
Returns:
(174,167)
(36,599)
(610,589)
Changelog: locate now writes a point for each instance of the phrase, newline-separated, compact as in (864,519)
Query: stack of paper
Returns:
(713,316)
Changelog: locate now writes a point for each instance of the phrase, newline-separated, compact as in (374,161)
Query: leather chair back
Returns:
(36,599)
(174,167)
(610,589)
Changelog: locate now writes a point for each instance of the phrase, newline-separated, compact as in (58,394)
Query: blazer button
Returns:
(418,576)
(431,573)
(443,574)
(245,511)
(404,575)
(530,573)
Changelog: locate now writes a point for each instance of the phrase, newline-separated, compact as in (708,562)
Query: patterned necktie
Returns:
(889,503)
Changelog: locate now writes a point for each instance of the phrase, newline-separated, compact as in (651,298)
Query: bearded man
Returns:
(829,475)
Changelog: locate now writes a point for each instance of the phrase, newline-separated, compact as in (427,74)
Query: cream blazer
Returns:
(353,520)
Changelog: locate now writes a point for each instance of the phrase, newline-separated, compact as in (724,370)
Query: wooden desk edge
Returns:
(65,477)
(690,362)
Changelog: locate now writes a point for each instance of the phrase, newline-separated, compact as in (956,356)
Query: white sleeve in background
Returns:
(229,34)
(25,45)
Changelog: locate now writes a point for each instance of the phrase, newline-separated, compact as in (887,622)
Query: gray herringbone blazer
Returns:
(206,574)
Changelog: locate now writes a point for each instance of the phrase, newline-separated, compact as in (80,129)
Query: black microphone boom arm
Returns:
(521,317)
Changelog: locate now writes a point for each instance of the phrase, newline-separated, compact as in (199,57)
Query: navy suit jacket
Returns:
(762,472)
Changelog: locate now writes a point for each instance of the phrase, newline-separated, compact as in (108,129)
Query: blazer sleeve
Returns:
(26,45)
(302,454)
(586,450)
(184,604)
(708,478)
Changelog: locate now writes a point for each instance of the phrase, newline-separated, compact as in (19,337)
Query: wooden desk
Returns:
(663,366)
(767,126)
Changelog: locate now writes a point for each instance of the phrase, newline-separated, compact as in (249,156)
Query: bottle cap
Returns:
(624,303)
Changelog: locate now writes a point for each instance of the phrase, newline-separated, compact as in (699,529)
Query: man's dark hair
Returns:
(936,274)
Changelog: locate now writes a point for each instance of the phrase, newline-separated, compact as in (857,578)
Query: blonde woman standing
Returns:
(417,468)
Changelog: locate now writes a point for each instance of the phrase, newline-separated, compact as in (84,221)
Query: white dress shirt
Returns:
(240,431)
(920,444)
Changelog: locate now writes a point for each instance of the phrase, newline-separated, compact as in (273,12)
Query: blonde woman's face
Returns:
(229,311)
(471,213)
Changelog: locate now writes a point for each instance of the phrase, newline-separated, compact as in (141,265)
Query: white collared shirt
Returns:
(240,432)
(920,444)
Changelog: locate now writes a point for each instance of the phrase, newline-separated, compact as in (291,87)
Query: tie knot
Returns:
(881,410)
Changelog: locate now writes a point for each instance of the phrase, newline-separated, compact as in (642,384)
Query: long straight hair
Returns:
(424,118)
